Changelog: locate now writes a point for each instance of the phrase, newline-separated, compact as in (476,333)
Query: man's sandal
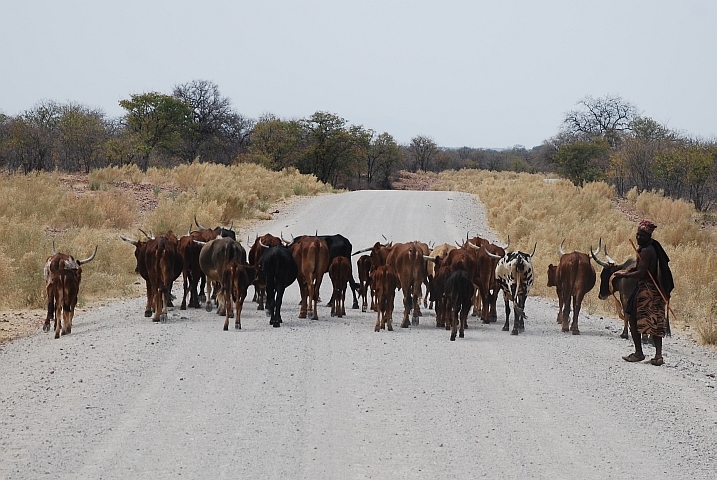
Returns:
(633,357)
(657,361)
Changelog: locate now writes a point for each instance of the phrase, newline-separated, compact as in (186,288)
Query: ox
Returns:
(459,295)
(218,231)
(438,251)
(514,275)
(339,246)
(55,263)
(213,260)
(456,259)
(573,277)
(235,283)
(339,273)
(255,252)
(384,283)
(620,289)
(64,286)
(487,287)
(312,258)
(407,260)
(364,273)
(279,268)
(159,264)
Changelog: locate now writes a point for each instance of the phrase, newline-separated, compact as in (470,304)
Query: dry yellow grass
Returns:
(79,213)
(533,209)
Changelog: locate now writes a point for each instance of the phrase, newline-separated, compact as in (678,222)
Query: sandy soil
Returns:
(122,397)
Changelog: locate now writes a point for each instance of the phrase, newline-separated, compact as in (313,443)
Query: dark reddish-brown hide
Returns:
(235,283)
(64,287)
(339,273)
(487,287)
(364,273)
(573,277)
(312,258)
(255,253)
(384,283)
(214,257)
(407,260)
(191,271)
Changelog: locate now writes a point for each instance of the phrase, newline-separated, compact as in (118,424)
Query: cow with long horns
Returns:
(514,274)
(54,264)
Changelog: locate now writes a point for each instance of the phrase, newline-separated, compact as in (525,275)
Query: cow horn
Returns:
(471,244)
(286,242)
(597,260)
(492,255)
(133,242)
(149,237)
(189,232)
(262,245)
(54,252)
(508,245)
(195,221)
(362,251)
(89,259)
(534,247)
(430,259)
(199,242)
(384,237)
(607,257)
(231,227)
(560,248)
(461,246)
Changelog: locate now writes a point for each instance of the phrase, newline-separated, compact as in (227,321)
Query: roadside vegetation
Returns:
(534,209)
(41,208)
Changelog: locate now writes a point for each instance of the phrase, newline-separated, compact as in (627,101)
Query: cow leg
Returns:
(576,313)
(239,306)
(185,284)
(303,289)
(506,326)
(565,317)
(150,301)
(406,307)
(50,307)
(228,307)
(260,295)
(58,316)
(354,286)
(379,324)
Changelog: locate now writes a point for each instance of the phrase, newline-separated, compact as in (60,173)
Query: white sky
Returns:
(464,73)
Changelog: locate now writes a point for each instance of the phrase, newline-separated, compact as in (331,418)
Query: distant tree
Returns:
(607,117)
(32,137)
(422,150)
(330,147)
(81,137)
(276,143)
(155,122)
(379,152)
(579,161)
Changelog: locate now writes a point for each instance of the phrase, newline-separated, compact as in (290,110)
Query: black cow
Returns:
(339,246)
(459,293)
(280,270)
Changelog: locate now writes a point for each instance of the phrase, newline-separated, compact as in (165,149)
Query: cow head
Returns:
(552,275)
(609,266)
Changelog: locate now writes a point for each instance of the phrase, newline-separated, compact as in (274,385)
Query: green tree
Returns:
(276,143)
(422,151)
(330,148)
(156,123)
(579,161)
(608,117)
(81,135)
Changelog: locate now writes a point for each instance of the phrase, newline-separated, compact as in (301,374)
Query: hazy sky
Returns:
(465,73)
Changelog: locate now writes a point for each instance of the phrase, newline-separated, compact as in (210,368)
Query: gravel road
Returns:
(122,397)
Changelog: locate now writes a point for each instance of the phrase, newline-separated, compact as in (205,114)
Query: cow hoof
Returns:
(485,322)
(208,307)
(260,307)
(183,307)
(576,332)
(461,335)
(148,313)
(225,328)
(276,325)
(237,326)
(46,326)
(414,321)
(389,328)
(505,329)
(363,310)
(57,334)
(566,329)
(623,335)
(163,318)
(376,329)
(514,332)
(355,306)
(170,304)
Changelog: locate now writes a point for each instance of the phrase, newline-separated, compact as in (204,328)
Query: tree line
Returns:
(603,139)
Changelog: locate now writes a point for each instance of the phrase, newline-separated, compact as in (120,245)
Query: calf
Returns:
(339,273)
(384,282)
(364,273)
(459,293)
(64,286)
(235,283)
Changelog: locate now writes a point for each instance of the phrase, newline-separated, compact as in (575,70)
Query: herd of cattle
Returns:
(457,278)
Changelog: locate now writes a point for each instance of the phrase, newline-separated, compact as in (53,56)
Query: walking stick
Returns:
(664,299)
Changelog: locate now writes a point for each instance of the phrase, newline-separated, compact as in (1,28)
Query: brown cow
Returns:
(364,273)
(260,245)
(160,264)
(487,286)
(438,251)
(312,258)
(64,286)
(191,271)
(213,259)
(55,263)
(573,277)
(407,259)
(457,259)
(384,283)
(235,283)
(339,273)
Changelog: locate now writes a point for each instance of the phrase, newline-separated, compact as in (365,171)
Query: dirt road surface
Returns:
(122,397)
